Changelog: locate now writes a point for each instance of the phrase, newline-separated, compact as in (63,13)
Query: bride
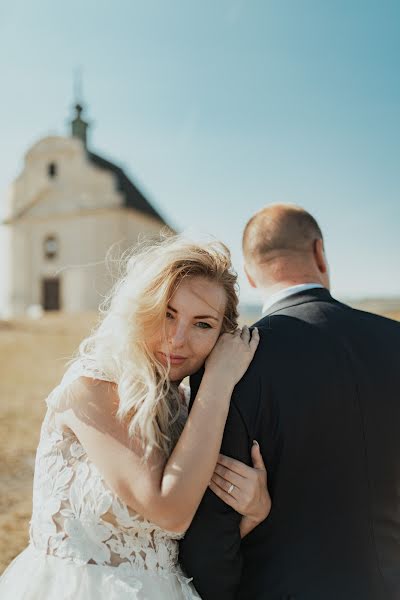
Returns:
(120,467)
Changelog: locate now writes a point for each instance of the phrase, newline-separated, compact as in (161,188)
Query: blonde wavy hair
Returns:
(133,311)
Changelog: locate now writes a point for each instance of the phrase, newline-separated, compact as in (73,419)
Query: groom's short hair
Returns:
(285,228)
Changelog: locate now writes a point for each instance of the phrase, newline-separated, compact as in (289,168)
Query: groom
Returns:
(322,397)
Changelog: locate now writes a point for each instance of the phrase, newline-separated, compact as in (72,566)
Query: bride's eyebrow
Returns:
(197,317)
(206,317)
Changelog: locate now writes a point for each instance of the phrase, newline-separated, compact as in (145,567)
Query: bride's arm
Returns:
(165,492)
(244,488)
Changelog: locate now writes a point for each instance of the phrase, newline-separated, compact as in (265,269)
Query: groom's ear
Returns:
(249,278)
(319,255)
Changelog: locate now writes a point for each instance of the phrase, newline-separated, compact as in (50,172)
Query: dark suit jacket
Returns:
(322,397)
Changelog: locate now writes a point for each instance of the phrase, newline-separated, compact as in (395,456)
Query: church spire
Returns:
(78,125)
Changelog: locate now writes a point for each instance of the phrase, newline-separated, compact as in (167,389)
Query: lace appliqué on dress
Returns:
(76,516)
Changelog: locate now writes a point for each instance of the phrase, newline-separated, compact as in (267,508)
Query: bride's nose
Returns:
(177,335)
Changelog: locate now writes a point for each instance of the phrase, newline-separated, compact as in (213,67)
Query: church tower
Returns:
(79,127)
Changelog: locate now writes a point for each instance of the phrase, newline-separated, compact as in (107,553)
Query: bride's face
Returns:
(193,323)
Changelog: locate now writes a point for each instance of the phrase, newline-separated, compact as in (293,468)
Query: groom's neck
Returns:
(268,290)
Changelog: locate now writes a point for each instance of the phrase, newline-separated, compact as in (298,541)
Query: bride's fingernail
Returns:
(255,443)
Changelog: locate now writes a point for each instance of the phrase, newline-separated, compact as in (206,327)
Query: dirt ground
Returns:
(32,360)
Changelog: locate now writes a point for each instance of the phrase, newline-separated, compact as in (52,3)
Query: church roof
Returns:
(133,198)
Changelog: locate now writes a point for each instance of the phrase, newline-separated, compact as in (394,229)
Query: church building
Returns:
(64,211)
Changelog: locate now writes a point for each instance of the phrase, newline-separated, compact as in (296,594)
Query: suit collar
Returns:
(286,292)
(313,295)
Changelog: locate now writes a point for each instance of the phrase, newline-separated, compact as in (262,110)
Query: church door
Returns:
(51,294)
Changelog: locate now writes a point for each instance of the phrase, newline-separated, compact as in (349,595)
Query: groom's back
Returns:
(328,423)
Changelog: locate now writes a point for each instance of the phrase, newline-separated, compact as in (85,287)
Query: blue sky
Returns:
(216,108)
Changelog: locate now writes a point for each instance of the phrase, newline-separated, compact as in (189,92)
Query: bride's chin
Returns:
(176,377)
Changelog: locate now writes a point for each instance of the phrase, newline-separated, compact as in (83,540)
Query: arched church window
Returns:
(51,247)
(52,169)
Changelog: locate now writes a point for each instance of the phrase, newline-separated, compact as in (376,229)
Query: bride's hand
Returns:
(232,354)
(243,488)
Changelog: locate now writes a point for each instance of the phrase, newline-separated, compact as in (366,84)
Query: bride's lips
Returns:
(174,359)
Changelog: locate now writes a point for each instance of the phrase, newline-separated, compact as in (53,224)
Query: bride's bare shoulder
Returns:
(91,401)
(85,389)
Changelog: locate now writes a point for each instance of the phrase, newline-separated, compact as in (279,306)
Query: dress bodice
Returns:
(77,516)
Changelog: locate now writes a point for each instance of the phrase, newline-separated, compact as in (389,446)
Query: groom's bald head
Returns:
(284,242)
(279,229)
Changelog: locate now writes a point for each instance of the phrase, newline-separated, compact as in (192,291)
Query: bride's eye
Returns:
(169,315)
(203,325)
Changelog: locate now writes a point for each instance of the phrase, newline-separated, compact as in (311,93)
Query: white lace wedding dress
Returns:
(84,542)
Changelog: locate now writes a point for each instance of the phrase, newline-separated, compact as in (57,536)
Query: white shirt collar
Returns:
(294,289)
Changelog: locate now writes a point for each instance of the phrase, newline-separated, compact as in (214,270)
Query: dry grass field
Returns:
(32,359)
